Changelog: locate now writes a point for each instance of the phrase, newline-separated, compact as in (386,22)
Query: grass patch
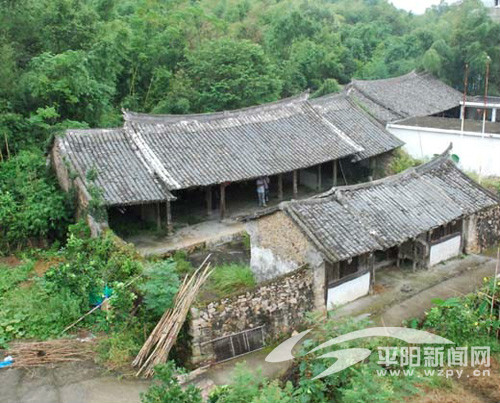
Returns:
(10,277)
(117,351)
(226,280)
(232,278)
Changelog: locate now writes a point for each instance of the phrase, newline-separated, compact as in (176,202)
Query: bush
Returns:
(402,161)
(166,388)
(245,386)
(10,277)
(33,312)
(160,287)
(87,266)
(182,266)
(91,264)
(32,207)
(467,319)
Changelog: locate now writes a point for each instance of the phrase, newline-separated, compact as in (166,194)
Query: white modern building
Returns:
(428,115)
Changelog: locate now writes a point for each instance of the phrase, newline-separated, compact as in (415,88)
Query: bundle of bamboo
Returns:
(159,343)
(50,352)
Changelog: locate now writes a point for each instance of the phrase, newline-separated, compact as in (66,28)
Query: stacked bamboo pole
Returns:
(50,352)
(159,343)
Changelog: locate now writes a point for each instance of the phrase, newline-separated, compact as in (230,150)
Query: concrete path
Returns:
(415,306)
(203,235)
(222,374)
(81,382)
(396,290)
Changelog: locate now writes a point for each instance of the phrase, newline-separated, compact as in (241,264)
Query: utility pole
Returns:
(466,83)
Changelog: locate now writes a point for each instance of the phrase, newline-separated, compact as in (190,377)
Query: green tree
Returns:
(66,82)
(32,207)
(229,74)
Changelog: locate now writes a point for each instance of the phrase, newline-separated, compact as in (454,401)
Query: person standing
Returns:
(261,191)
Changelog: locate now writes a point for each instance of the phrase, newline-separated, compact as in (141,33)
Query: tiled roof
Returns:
(154,154)
(353,220)
(207,149)
(121,175)
(342,112)
(414,94)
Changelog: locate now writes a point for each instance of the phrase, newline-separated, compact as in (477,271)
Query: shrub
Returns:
(245,386)
(32,207)
(160,287)
(182,266)
(166,388)
(10,277)
(402,161)
(467,319)
(33,312)
(90,264)
(46,305)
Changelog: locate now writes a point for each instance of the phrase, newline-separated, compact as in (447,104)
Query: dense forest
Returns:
(77,63)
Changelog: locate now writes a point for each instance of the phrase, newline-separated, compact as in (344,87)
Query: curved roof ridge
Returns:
(136,116)
(411,74)
(89,132)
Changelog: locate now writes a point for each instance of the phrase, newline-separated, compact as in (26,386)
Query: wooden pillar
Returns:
(295,185)
(373,165)
(371,264)
(208,197)
(170,227)
(335,173)
(414,256)
(280,187)
(158,216)
(319,178)
(222,200)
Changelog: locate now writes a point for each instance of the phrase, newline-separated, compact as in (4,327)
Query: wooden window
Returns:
(331,273)
(336,272)
(347,268)
(446,230)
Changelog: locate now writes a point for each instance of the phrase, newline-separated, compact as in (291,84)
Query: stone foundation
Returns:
(279,306)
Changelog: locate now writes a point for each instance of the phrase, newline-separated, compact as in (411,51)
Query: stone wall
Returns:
(67,183)
(482,230)
(488,228)
(277,246)
(279,305)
